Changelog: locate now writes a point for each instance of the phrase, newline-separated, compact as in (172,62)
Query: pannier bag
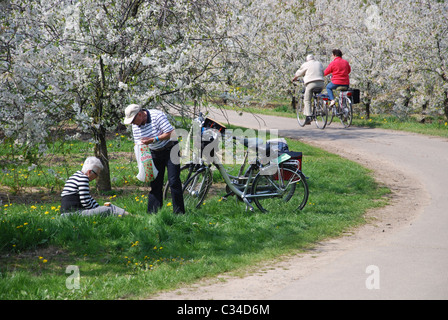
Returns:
(355,95)
(293,163)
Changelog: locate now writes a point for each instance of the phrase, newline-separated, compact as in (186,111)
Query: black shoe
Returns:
(308,120)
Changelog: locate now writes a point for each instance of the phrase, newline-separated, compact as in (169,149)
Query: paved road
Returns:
(409,263)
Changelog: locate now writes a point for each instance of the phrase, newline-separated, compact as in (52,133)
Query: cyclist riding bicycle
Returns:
(340,70)
(313,77)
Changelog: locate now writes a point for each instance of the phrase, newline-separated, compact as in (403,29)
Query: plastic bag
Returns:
(147,171)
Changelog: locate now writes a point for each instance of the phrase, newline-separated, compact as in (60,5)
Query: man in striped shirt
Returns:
(151,127)
(76,196)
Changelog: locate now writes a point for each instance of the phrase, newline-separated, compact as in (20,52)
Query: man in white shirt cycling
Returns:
(313,77)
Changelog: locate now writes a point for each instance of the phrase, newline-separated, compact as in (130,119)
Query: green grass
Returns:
(135,256)
(434,126)
(62,161)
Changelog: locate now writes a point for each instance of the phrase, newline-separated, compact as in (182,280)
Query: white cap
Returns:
(130,112)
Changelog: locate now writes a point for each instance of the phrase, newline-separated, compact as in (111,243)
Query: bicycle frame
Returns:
(245,193)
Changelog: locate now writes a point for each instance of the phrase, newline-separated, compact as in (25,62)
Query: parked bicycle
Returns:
(318,108)
(278,183)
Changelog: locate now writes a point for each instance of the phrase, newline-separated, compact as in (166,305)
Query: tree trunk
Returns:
(367,100)
(424,107)
(367,106)
(445,105)
(103,182)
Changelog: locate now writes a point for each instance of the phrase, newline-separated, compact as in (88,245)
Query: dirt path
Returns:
(402,253)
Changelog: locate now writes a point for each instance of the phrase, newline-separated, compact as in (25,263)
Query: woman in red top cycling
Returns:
(340,69)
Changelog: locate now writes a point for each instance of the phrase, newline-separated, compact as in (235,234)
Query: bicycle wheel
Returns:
(300,107)
(288,193)
(320,112)
(346,112)
(196,187)
(332,111)
(185,173)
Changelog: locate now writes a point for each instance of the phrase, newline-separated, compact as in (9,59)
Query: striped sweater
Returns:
(76,194)
(156,125)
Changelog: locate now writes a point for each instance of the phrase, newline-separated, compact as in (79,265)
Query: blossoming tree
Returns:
(85,60)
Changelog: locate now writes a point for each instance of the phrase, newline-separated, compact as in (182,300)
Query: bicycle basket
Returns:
(210,132)
(294,163)
(213,124)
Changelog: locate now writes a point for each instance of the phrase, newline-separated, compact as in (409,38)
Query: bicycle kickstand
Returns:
(248,205)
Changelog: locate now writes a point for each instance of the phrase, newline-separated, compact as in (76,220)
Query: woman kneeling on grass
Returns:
(76,196)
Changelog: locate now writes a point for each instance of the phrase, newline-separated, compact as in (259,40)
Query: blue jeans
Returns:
(331,86)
